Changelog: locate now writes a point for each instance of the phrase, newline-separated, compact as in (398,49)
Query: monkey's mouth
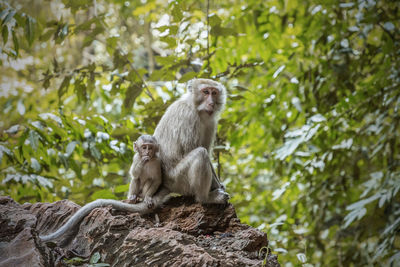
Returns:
(210,112)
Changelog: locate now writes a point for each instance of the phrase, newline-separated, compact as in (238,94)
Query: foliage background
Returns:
(308,145)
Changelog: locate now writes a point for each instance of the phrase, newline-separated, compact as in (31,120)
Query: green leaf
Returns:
(29,30)
(173,30)
(64,161)
(236,97)
(166,60)
(61,33)
(217,30)
(214,20)
(34,140)
(87,25)
(16,43)
(169,40)
(105,193)
(4,11)
(4,34)
(9,16)
(46,83)
(112,42)
(94,151)
(95,258)
(302,257)
(35,165)
(64,30)
(76,167)
(70,148)
(177,13)
(46,36)
(144,9)
(64,86)
(391,228)
(121,188)
(360,204)
(187,76)
(131,94)
(353,215)
(241,88)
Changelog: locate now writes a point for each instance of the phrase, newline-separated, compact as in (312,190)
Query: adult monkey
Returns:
(185,133)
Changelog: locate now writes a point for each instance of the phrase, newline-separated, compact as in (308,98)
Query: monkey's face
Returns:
(147,150)
(208,99)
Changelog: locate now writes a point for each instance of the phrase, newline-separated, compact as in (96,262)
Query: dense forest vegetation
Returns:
(308,145)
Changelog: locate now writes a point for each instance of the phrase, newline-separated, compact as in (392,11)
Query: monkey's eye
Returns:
(206,92)
(214,93)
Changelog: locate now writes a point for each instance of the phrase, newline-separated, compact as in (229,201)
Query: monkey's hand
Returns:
(133,199)
(219,196)
(149,202)
(145,159)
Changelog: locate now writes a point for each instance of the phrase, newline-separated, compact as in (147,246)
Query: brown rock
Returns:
(186,234)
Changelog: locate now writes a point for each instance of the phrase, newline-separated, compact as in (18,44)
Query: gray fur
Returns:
(186,135)
(145,174)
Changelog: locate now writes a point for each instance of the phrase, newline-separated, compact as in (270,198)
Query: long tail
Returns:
(85,210)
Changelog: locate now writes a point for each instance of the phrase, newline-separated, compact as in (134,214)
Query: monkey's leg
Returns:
(196,169)
(216,182)
(149,188)
(162,196)
(134,189)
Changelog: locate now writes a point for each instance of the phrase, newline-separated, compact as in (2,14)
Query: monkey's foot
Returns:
(218,196)
(149,202)
(133,199)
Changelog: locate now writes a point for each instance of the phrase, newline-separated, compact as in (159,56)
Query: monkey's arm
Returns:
(136,167)
(134,188)
(142,208)
(135,170)
(215,182)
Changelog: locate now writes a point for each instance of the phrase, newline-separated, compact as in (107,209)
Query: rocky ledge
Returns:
(182,233)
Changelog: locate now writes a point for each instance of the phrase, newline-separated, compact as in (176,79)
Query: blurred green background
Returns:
(308,145)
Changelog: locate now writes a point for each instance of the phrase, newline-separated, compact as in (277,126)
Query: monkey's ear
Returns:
(135,147)
(190,85)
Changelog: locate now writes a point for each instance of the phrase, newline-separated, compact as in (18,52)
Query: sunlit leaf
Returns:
(103,194)
(35,164)
(4,34)
(30,29)
(217,30)
(70,148)
(214,20)
(34,139)
(64,86)
(187,76)
(16,42)
(131,94)
(8,17)
(301,257)
(177,13)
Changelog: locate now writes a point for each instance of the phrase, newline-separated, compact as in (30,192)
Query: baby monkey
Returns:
(145,170)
